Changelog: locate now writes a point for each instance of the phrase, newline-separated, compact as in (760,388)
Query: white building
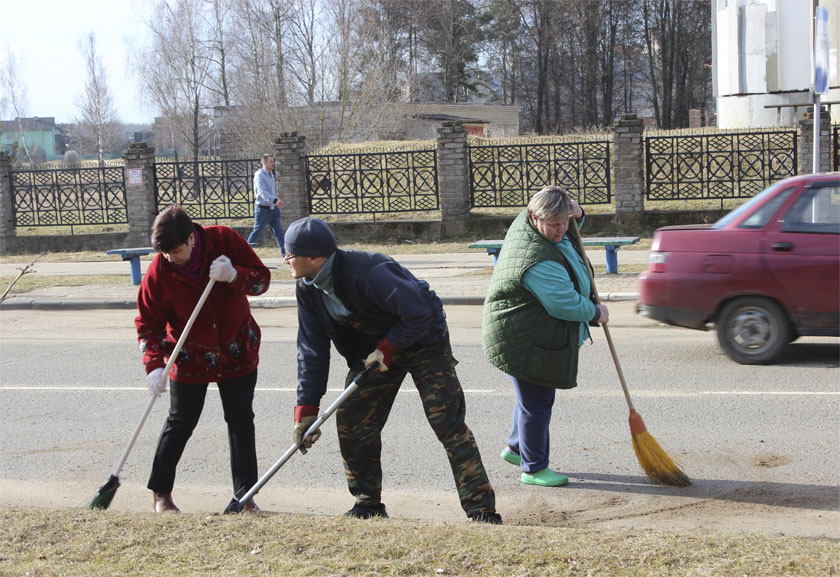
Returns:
(762,53)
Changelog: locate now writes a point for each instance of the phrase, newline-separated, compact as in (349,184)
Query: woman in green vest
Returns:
(536,317)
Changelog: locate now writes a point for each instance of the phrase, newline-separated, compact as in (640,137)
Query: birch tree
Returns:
(97,128)
(13,98)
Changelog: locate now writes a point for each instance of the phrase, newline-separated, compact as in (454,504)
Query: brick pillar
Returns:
(290,175)
(7,214)
(628,175)
(806,142)
(453,178)
(140,193)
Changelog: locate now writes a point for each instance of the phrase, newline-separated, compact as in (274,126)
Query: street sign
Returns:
(821,52)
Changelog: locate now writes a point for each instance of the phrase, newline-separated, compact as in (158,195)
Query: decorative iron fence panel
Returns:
(508,175)
(717,166)
(377,182)
(207,189)
(69,197)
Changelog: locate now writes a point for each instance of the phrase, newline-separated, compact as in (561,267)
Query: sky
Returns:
(44,37)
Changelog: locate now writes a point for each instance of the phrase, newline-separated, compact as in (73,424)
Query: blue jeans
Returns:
(271,218)
(529,426)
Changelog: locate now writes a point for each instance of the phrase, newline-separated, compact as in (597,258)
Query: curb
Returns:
(66,304)
(256,303)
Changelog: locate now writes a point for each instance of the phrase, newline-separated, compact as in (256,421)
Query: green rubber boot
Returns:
(544,478)
(511,457)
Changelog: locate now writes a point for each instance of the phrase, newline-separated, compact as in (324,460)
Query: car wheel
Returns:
(753,331)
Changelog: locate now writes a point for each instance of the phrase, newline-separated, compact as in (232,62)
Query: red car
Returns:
(765,274)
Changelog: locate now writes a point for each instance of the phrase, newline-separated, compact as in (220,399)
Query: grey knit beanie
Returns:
(311,237)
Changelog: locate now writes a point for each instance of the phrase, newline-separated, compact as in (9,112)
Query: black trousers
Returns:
(186,403)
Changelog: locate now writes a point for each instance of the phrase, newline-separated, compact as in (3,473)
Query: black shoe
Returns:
(486,517)
(361,511)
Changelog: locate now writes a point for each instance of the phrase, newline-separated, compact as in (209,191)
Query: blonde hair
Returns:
(551,202)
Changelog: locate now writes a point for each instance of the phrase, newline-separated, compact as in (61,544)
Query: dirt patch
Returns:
(769,460)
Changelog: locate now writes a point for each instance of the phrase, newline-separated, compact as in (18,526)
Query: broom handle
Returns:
(172,357)
(313,428)
(573,227)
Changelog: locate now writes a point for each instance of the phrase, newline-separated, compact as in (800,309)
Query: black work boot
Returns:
(486,517)
(362,511)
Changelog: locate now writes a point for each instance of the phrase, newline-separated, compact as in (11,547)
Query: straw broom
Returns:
(655,462)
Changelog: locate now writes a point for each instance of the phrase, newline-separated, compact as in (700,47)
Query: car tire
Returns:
(753,330)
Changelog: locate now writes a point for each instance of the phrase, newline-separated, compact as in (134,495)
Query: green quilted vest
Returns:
(520,337)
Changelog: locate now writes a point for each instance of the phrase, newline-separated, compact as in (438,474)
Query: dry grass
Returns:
(80,542)
(33,282)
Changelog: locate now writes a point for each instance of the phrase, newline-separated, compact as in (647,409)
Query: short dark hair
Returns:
(266,156)
(171,229)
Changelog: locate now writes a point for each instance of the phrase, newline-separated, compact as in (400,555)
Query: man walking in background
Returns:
(266,204)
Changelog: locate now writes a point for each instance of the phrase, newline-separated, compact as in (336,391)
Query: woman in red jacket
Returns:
(222,346)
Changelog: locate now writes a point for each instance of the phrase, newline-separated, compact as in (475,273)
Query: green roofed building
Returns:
(40,135)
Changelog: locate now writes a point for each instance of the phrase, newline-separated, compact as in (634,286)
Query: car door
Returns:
(802,251)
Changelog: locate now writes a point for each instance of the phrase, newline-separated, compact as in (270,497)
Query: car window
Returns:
(760,217)
(816,211)
(748,206)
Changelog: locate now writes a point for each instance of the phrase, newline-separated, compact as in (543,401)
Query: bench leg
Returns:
(612,259)
(136,275)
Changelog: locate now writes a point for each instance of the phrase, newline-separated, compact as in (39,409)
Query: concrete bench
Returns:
(610,243)
(133,256)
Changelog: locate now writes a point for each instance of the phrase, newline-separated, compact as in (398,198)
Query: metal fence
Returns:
(208,189)
(507,175)
(69,197)
(677,167)
(717,165)
(380,182)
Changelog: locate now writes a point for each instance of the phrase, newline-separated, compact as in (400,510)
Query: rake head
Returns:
(234,506)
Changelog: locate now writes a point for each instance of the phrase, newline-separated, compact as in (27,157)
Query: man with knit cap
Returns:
(374,310)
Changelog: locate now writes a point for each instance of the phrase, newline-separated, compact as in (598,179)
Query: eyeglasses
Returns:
(289,257)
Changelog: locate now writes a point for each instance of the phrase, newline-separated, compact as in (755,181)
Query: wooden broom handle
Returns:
(573,228)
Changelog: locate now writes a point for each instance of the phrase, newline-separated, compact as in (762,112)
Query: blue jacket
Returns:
(384,300)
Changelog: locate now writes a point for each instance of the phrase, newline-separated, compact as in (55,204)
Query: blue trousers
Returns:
(271,218)
(529,426)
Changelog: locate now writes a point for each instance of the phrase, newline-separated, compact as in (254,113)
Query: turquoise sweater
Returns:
(549,281)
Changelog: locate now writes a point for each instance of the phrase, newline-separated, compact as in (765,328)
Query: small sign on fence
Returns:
(134,176)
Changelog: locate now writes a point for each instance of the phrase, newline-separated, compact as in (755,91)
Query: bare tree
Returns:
(219,55)
(13,98)
(97,128)
(678,43)
(175,67)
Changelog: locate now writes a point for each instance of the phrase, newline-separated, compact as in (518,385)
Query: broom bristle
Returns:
(658,466)
(105,494)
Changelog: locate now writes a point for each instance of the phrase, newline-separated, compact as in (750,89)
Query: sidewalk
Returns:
(458,279)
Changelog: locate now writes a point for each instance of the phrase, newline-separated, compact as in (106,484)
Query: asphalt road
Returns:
(760,443)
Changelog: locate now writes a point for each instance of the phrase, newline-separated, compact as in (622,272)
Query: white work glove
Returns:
(377,356)
(157,382)
(301,427)
(222,270)
(382,354)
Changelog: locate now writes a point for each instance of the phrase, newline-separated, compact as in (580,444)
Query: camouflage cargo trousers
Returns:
(363,415)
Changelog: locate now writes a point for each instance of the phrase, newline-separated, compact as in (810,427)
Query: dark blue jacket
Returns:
(384,299)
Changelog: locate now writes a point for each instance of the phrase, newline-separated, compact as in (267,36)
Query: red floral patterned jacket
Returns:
(224,342)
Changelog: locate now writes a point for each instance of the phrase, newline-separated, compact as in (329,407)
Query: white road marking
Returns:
(408,389)
(258,389)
